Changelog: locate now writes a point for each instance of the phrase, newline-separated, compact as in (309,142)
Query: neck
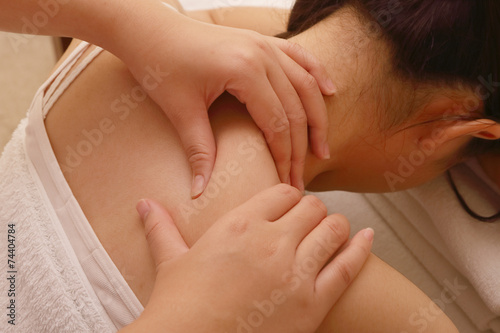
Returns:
(329,42)
(314,167)
(311,41)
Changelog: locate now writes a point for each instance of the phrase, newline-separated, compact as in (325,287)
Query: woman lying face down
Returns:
(417,83)
(390,128)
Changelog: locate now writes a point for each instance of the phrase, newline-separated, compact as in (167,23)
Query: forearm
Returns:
(96,21)
(268,21)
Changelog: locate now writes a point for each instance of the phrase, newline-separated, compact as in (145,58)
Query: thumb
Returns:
(198,141)
(164,239)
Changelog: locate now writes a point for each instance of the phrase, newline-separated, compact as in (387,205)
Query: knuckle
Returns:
(151,229)
(298,117)
(237,226)
(280,146)
(309,82)
(198,153)
(304,303)
(278,119)
(288,191)
(295,48)
(283,169)
(339,227)
(279,130)
(298,161)
(281,136)
(261,43)
(269,250)
(345,271)
(365,250)
(284,162)
(250,59)
(316,204)
(243,61)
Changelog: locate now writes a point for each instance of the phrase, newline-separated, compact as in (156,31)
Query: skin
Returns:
(253,66)
(145,145)
(185,299)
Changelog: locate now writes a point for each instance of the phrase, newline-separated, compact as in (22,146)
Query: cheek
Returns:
(419,162)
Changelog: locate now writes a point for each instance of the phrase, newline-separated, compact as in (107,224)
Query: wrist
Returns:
(116,25)
(134,27)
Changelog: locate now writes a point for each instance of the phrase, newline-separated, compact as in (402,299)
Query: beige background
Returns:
(25,62)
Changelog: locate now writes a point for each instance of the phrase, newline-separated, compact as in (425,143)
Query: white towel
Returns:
(428,224)
(49,294)
(401,212)
(473,246)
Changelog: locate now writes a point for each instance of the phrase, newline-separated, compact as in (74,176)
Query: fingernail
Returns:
(368,234)
(330,86)
(326,151)
(197,189)
(143,209)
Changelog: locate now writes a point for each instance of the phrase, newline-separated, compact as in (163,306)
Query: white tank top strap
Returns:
(60,80)
(102,280)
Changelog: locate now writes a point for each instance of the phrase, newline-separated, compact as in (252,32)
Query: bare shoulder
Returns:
(382,300)
(243,167)
(115,146)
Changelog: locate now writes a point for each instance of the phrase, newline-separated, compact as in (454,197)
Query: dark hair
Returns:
(452,41)
(456,42)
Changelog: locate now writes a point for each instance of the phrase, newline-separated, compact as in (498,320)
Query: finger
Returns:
(309,62)
(326,239)
(164,239)
(197,138)
(296,118)
(271,204)
(267,111)
(303,218)
(338,274)
(314,105)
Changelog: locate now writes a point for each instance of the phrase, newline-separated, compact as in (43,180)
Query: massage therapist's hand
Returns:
(280,83)
(258,268)
(184,65)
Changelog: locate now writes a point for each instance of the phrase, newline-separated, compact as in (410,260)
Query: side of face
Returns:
(371,155)
(387,133)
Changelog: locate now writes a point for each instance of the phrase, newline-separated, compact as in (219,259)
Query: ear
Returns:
(456,114)
(482,128)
